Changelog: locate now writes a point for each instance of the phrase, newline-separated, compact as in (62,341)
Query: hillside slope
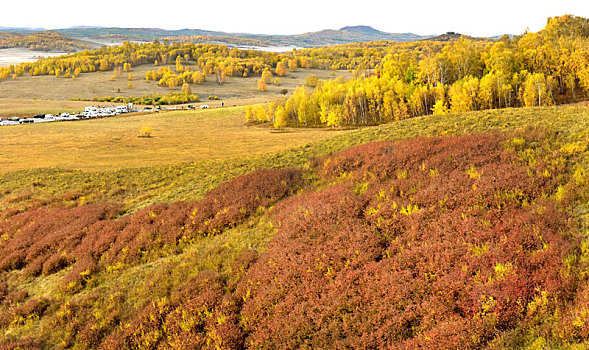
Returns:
(451,241)
(311,39)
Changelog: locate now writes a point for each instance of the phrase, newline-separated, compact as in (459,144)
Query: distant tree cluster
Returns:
(41,41)
(173,98)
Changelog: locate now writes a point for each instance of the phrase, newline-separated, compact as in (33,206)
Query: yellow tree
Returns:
(261,85)
(311,81)
(536,91)
(104,64)
(267,76)
(260,114)
(249,113)
(460,100)
(179,66)
(280,118)
(186,89)
(440,108)
(280,69)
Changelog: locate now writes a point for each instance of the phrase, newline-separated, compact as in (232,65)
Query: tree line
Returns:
(534,69)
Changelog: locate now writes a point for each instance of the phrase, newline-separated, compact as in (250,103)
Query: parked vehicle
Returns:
(8,122)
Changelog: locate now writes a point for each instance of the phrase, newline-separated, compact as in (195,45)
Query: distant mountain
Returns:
(366,30)
(319,38)
(97,36)
(454,36)
(85,27)
(374,34)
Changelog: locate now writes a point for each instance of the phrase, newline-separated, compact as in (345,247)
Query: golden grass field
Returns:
(27,107)
(113,143)
(99,84)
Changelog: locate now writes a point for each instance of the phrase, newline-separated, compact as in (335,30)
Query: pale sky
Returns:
(472,17)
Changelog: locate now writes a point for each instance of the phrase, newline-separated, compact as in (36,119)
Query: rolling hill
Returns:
(100,35)
(472,223)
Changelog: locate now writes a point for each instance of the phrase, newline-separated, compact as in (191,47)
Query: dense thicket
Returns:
(173,98)
(428,243)
(45,241)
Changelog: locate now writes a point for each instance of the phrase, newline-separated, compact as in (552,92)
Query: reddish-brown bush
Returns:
(435,243)
(198,315)
(427,243)
(48,240)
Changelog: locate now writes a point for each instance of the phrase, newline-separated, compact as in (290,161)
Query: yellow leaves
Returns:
(573,148)
(372,211)
(440,108)
(538,305)
(361,188)
(409,209)
(116,267)
(560,193)
(501,271)
(145,131)
(488,303)
(381,195)
(579,176)
(473,172)
(280,69)
(478,250)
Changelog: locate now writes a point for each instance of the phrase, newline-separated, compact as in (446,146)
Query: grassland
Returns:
(28,107)
(178,179)
(99,84)
(113,143)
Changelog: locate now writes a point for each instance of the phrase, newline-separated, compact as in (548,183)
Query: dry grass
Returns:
(26,107)
(113,143)
(99,84)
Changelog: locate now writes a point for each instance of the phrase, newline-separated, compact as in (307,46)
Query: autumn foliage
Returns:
(45,241)
(428,243)
(443,243)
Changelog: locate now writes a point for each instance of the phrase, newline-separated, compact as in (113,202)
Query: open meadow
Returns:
(177,136)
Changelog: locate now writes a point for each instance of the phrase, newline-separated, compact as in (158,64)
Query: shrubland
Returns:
(447,241)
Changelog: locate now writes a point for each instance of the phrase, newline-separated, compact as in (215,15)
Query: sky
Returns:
(425,17)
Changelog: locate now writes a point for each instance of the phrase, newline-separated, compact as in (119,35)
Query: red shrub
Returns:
(434,243)
(48,240)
